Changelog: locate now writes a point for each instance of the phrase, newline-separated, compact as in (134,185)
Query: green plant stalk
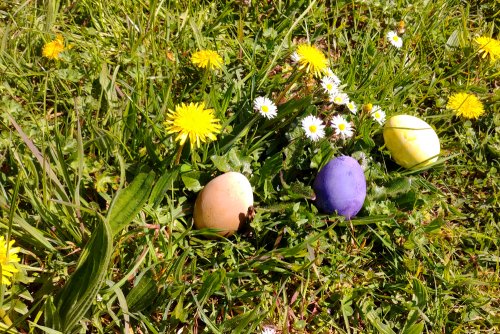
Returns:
(296,77)
(5,317)
(179,153)
(204,80)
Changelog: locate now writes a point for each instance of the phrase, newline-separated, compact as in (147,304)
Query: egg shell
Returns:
(412,142)
(223,203)
(340,186)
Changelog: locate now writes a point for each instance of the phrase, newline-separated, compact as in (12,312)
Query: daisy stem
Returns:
(178,155)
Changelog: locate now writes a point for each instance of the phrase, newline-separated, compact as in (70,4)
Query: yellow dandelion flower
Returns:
(368,108)
(312,59)
(193,121)
(207,59)
(488,46)
(8,258)
(466,105)
(52,49)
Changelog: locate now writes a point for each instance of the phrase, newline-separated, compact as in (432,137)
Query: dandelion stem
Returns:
(287,88)
(205,80)
(178,155)
(5,318)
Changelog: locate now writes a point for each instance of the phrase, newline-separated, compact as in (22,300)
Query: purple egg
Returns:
(340,186)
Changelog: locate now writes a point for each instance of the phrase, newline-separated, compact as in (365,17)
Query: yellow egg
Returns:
(223,203)
(411,141)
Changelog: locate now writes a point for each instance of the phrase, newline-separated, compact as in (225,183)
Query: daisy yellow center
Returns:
(265,109)
(312,59)
(329,86)
(193,121)
(313,128)
(338,99)
(395,38)
(342,126)
(377,115)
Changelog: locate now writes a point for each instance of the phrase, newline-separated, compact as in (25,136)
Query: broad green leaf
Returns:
(221,163)
(142,293)
(180,311)
(347,310)
(191,180)
(415,329)
(271,167)
(378,324)
(413,316)
(81,289)
(420,292)
(164,183)
(129,201)
(233,157)
(399,186)
(406,201)
(211,284)
(233,160)
(434,226)
(297,190)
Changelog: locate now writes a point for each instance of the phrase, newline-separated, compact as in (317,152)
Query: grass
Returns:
(89,187)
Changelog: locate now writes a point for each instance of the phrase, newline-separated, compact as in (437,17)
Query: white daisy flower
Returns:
(339,98)
(295,57)
(330,74)
(265,107)
(395,40)
(342,127)
(268,330)
(329,84)
(378,114)
(314,127)
(352,107)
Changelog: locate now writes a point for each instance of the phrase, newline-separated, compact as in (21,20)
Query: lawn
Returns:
(114,115)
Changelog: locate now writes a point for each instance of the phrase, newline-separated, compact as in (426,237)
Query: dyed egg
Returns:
(223,203)
(411,141)
(340,186)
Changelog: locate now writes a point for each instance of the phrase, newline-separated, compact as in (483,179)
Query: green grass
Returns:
(90,191)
